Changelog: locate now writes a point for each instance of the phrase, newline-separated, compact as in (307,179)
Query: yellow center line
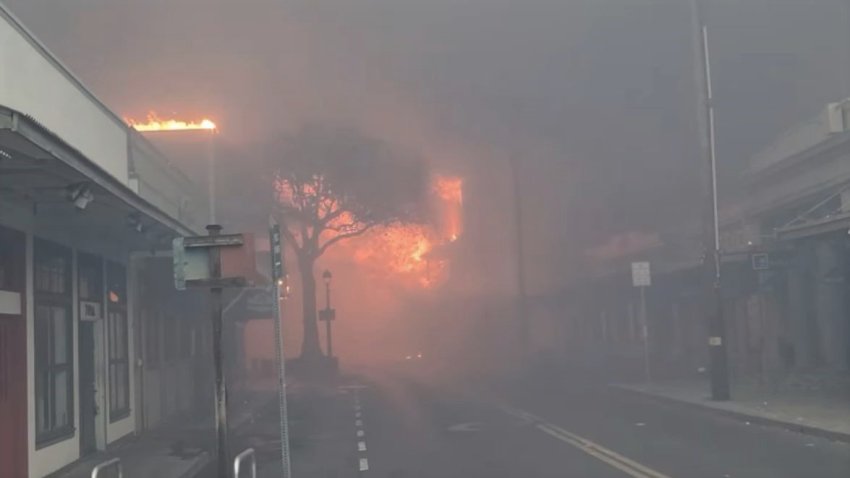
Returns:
(609,457)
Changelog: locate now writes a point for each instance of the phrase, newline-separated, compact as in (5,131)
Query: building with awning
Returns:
(799,206)
(87,207)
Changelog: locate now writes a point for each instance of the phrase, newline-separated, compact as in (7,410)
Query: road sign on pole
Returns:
(278,279)
(641,276)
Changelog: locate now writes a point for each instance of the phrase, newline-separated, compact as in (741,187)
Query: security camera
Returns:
(80,194)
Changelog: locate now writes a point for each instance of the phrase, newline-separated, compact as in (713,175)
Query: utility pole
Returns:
(644,320)
(520,262)
(642,278)
(223,461)
(278,285)
(719,366)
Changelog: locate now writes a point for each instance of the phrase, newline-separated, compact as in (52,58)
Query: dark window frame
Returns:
(43,252)
(118,346)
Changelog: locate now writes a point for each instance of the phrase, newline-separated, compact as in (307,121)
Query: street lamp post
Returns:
(719,367)
(328,314)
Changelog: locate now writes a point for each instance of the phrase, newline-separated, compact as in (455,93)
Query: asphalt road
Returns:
(398,426)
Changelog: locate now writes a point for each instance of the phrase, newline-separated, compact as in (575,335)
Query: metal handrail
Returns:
(113,463)
(237,463)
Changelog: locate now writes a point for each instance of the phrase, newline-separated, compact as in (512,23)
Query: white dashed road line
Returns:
(361,441)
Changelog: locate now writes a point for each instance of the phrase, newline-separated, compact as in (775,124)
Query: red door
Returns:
(13,356)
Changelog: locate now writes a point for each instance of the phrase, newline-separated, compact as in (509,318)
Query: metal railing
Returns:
(114,463)
(245,455)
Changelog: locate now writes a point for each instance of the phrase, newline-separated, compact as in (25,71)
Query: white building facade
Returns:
(91,351)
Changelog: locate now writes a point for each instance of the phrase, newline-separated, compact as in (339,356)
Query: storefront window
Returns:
(119,354)
(53,343)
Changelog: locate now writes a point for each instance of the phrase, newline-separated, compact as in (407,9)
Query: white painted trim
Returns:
(127,425)
(30,318)
(10,302)
(53,457)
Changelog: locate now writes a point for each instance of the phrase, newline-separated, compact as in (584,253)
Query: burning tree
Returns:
(334,183)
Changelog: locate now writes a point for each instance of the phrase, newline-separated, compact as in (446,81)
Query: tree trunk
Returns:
(310,348)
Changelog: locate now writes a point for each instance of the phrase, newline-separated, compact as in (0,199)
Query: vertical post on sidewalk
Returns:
(644,323)
(328,315)
(223,459)
(278,278)
(642,278)
(719,366)
(329,340)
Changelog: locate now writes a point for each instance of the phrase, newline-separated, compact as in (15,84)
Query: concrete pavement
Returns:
(400,426)
(823,415)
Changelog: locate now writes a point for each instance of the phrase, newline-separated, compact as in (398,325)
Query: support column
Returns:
(830,304)
(799,309)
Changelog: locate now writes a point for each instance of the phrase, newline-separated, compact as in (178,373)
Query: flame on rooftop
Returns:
(155,123)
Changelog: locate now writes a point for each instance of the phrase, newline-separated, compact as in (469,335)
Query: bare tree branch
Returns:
(291,210)
(343,228)
(290,238)
(348,235)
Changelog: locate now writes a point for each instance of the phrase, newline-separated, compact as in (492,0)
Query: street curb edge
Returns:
(741,416)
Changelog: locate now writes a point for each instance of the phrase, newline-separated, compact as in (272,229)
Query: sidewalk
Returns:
(811,412)
(176,451)
(149,455)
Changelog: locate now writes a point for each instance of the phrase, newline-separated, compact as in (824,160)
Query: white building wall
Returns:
(127,425)
(48,459)
(34,83)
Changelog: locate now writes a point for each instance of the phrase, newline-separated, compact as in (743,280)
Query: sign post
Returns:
(197,263)
(218,360)
(278,279)
(642,278)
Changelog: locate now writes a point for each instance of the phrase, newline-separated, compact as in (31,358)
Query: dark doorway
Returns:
(88,392)
(13,355)
(90,291)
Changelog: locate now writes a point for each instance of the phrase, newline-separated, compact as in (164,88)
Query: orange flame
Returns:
(154,123)
(449,208)
(408,252)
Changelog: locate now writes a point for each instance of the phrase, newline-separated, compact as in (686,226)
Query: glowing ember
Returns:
(449,206)
(154,123)
(449,189)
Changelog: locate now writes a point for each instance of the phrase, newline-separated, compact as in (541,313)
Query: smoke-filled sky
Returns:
(594,97)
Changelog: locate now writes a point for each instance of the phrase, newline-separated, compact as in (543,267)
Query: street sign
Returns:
(761,261)
(641,276)
(193,266)
(189,264)
(277,253)
(252,303)
(327,314)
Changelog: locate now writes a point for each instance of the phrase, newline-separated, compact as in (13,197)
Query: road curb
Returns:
(741,416)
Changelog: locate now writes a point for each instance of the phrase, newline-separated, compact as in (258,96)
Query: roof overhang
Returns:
(815,227)
(41,152)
